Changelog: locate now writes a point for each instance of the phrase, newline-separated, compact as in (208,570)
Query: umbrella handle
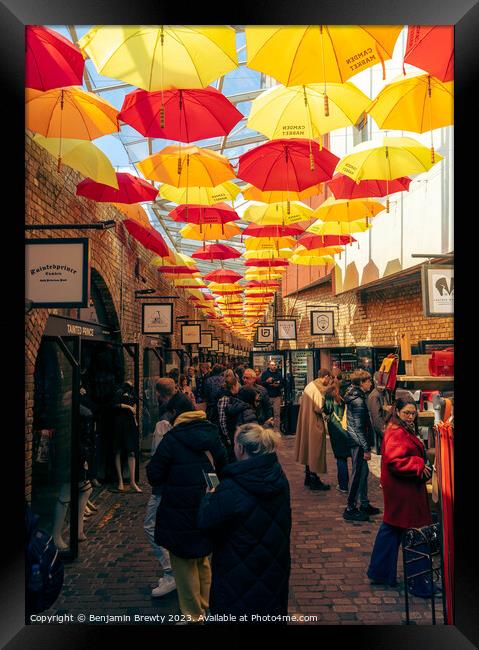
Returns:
(326,105)
(162,117)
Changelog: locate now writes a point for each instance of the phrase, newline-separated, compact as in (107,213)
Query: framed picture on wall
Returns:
(221,347)
(215,345)
(286,330)
(190,334)
(322,323)
(157,318)
(206,340)
(265,333)
(438,289)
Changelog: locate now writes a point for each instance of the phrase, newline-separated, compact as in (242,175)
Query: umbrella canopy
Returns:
(268,243)
(431,48)
(319,250)
(276,214)
(312,260)
(159,57)
(133,211)
(282,253)
(131,189)
(203,214)
(216,252)
(255,230)
(223,275)
(69,113)
(386,159)
(225,288)
(347,209)
(185,166)
(311,241)
(185,115)
(51,60)
(344,187)
(81,155)
(210,231)
(299,111)
(296,55)
(265,261)
(338,228)
(262,284)
(190,283)
(252,193)
(226,191)
(287,165)
(148,237)
(178,264)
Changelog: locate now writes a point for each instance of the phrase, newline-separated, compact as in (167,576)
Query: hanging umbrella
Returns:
(203,214)
(190,283)
(281,254)
(255,230)
(252,193)
(81,155)
(210,231)
(275,214)
(51,60)
(416,102)
(222,275)
(287,165)
(344,187)
(431,48)
(131,189)
(266,262)
(185,166)
(180,265)
(310,241)
(220,287)
(347,209)
(226,191)
(386,159)
(338,228)
(298,111)
(69,113)
(155,57)
(312,260)
(133,211)
(259,294)
(148,237)
(320,250)
(262,284)
(268,243)
(216,252)
(185,115)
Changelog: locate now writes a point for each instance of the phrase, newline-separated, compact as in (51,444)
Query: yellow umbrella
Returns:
(181,282)
(133,211)
(210,231)
(252,193)
(347,209)
(178,259)
(187,166)
(282,253)
(415,102)
(338,228)
(81,155)
(69,113)
(261,276)
(298,111)
(214,287)
(385,159)
(325,250)
(312,260)
(223,192)
(268,243)
(277,213)
(155,57)
(296,55)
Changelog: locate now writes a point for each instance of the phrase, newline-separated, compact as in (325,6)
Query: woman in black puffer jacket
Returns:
(241,409)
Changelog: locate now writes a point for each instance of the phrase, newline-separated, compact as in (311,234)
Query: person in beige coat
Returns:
(310,447)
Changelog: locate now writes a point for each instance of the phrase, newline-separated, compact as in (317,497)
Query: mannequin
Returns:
(125,434)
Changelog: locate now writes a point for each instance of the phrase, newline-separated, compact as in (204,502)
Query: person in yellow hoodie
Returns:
(187,450)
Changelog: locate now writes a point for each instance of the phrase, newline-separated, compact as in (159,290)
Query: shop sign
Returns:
(61,326)
(265,334)
(190,334)
(57,272)
(438,289)
(157,318)
(206,340)
(286,330)
(322,323)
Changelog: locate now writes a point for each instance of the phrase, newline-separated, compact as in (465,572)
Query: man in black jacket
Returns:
(265,408)
(272,380)
(361,435)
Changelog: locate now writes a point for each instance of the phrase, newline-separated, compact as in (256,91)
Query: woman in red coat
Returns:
(403,478)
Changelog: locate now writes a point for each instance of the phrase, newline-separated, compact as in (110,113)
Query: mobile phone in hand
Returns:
(211,479)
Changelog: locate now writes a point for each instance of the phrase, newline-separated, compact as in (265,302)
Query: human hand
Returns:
(426,472)
(367,455)
(269,380)
(269,421)
(209,490)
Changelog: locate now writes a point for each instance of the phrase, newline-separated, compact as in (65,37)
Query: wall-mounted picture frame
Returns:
(286,329)
(190,334)
(215,345)
(206,340)
(437,289)
(221,347)
(265,334)
(322,323)
(157,318)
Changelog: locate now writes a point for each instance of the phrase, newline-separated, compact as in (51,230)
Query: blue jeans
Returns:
(343,473)
(149,527)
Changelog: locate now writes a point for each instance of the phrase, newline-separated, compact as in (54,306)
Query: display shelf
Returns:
(424,378)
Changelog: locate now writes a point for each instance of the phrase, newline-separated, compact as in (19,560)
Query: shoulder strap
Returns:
(210,458)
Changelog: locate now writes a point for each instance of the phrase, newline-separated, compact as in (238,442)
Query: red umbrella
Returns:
(184,115)
(265,294)
(262,262)
(216,252)
(51,60)
(149,237)
(309,240)
(200,214)
(288,164)
(178,270)
(222,275)
(131,189)
(263,283)
(431,48)
(256,230)
(344,187)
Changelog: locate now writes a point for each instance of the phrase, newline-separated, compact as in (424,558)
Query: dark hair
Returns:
(324,372)
(181,379)
(174,374)
(398,405)
(248,395)
(165,387)
(179,404)
(217,369)
(359,376)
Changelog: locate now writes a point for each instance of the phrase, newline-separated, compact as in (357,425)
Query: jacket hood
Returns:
(259,475)
(352,393)
(194,432)
(236,405)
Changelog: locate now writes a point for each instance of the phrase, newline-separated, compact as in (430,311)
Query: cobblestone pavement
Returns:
(116,570)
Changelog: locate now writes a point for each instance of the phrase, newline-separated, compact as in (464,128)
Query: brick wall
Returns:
(51,199)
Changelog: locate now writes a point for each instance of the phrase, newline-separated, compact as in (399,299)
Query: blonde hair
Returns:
(257,440)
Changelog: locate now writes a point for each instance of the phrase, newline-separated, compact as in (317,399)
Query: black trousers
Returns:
(359,478)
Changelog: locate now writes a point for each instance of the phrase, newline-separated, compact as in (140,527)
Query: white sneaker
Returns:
(165,586)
